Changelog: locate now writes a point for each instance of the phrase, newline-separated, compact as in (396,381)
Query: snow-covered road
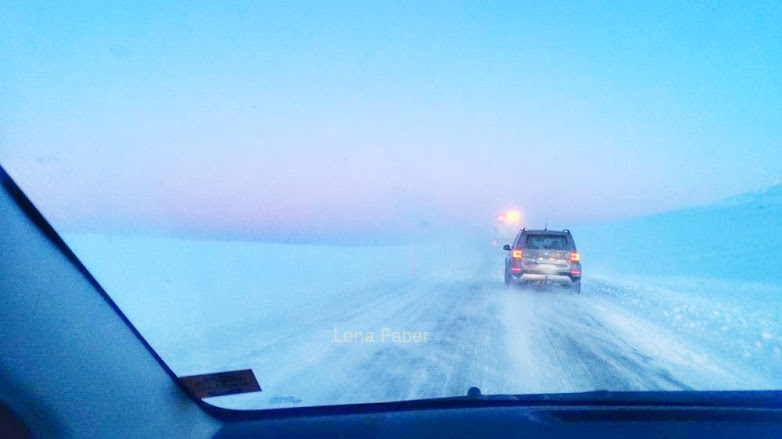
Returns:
(666,303)
(329,324)
(477,333)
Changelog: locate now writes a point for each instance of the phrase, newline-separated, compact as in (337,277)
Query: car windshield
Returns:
(327,194)
(546,242)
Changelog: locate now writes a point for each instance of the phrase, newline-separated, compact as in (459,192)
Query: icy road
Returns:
(368,324)
(344,332)
(475,332)
(322,324)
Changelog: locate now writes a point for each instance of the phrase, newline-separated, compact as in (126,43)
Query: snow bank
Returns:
(710,273)
(740,239)
(739,323)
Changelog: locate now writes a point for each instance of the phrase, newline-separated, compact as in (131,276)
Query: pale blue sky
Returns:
(272,119)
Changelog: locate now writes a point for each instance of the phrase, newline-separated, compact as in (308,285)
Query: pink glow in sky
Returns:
(296,120)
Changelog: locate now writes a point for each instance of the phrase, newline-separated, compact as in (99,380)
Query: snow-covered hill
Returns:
(739,238)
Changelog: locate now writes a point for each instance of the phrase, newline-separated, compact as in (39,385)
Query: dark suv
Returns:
(543,256)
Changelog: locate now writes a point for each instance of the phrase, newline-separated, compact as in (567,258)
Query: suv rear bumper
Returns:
(548,278)
(540,276)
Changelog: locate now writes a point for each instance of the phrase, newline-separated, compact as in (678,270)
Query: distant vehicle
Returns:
(506,227)
(543,256)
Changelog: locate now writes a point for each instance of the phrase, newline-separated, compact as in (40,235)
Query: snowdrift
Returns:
(739,238)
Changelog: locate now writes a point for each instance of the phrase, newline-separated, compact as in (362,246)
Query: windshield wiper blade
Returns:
(474,393)
(740,398)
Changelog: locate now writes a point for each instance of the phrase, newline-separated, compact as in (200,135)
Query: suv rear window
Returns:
(546,242)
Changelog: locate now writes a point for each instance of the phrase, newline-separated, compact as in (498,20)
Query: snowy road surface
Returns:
(477,333)
(357,325)
(667,303)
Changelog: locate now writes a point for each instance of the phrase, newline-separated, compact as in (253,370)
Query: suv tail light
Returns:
(516,254)
(575,257)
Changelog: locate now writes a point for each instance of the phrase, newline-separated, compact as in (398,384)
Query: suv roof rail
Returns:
(566,231)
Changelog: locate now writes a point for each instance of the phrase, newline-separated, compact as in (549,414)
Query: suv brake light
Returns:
(516,254)
(574,257)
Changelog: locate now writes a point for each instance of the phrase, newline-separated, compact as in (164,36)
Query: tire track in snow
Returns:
(502,340)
